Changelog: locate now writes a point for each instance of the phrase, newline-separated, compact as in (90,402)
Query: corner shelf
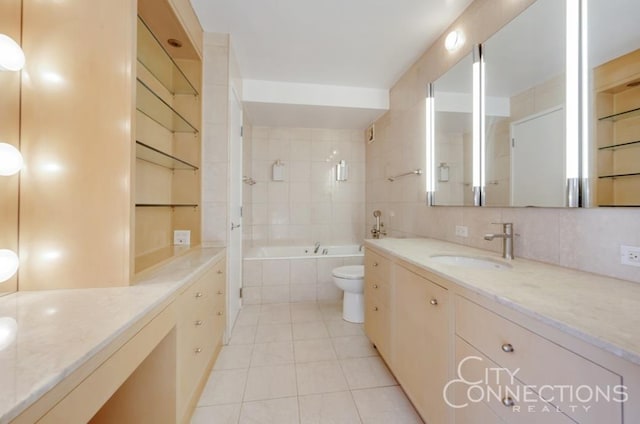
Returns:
(152,105)
(165,205)
(635,174)
(616,146)
(157,61)
(158,157)
(622,115)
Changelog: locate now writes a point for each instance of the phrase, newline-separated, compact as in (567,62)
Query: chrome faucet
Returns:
(507,239)
(378,228)
(316,247)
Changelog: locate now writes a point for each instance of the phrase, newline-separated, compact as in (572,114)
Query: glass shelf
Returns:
(165,205)
(150,104)
(158,157)
(155,58)
(615,146)
(622,115)
(635,174)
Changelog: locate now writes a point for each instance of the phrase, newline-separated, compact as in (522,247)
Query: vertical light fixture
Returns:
(585,106)
(572,101)
(10,160)
(341,171)
(9,263)
(430,145)
(478,127)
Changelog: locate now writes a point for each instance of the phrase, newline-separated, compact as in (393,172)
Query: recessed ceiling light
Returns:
(453,41)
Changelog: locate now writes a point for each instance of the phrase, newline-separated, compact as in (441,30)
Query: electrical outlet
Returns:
(182,237)
(462,231)
(630,255)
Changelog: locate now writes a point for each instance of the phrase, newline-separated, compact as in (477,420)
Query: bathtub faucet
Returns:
(316,247)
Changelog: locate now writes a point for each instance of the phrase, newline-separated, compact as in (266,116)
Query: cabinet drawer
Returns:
(538,361)
(377,326)
(376,266)
(495,386)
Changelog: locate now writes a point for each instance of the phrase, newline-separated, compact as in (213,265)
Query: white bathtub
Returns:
(303,252)
(280,274)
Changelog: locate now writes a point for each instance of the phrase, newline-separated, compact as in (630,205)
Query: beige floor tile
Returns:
(271,382)
(343,328)
(320,377)
(353,347)
(276,316)
(363,373)
(314,350)
(268,333)
(306,315)
(331,311)
(310,330)
(219,414)
(328,408)
(275,411)
(249,315)
(385,405)
(232,357)
(269,354)
(244,334)
(224,387)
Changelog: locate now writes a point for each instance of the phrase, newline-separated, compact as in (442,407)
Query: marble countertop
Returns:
(59,330)
(600,310)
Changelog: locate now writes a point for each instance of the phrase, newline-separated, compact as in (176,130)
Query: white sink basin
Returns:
(470,262)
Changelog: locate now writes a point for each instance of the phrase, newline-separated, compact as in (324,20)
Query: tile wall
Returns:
(309,205)
(585,239)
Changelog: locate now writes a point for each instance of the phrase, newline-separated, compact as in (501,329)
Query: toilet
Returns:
(351,279)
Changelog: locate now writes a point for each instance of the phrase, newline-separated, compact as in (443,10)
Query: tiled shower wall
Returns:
(309,205)
(585,239)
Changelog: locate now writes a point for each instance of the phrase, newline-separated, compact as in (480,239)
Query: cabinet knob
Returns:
(219,271)
(507,348)
(198,350)
(375,286)
(199,323)
(375,308)
(508,402)
(434,302)
(199,294)
(220,292)
(220,313)
(375,264)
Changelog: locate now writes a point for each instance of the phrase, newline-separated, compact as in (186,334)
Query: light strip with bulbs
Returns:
(572,100)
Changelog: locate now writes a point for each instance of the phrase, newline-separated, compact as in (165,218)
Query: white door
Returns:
(538,176)
(234,247)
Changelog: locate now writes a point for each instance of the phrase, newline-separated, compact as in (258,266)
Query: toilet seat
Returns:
(349,272)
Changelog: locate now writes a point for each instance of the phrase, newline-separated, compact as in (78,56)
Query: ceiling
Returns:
(355,43)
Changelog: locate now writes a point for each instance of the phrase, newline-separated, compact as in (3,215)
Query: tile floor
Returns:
(300,363)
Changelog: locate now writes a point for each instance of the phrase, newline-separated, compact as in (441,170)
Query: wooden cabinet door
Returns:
(421,343)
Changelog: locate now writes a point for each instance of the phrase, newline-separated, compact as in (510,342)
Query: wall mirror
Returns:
(614,74)
(452,136)
(525,150)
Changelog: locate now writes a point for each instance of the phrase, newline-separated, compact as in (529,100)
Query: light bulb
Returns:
(10,159)
(11,54)
(453,41)
(8,264)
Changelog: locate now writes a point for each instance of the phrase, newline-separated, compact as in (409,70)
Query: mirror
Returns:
(614,71)
(10,25)
(453,131)
(525,153)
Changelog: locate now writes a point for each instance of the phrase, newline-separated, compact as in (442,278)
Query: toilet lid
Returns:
(350,272)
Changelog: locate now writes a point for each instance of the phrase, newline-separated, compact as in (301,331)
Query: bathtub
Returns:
(281,274)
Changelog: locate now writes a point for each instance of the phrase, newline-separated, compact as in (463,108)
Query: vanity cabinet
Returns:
(420,342)
(617,95)
(201,319)
(378,302)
